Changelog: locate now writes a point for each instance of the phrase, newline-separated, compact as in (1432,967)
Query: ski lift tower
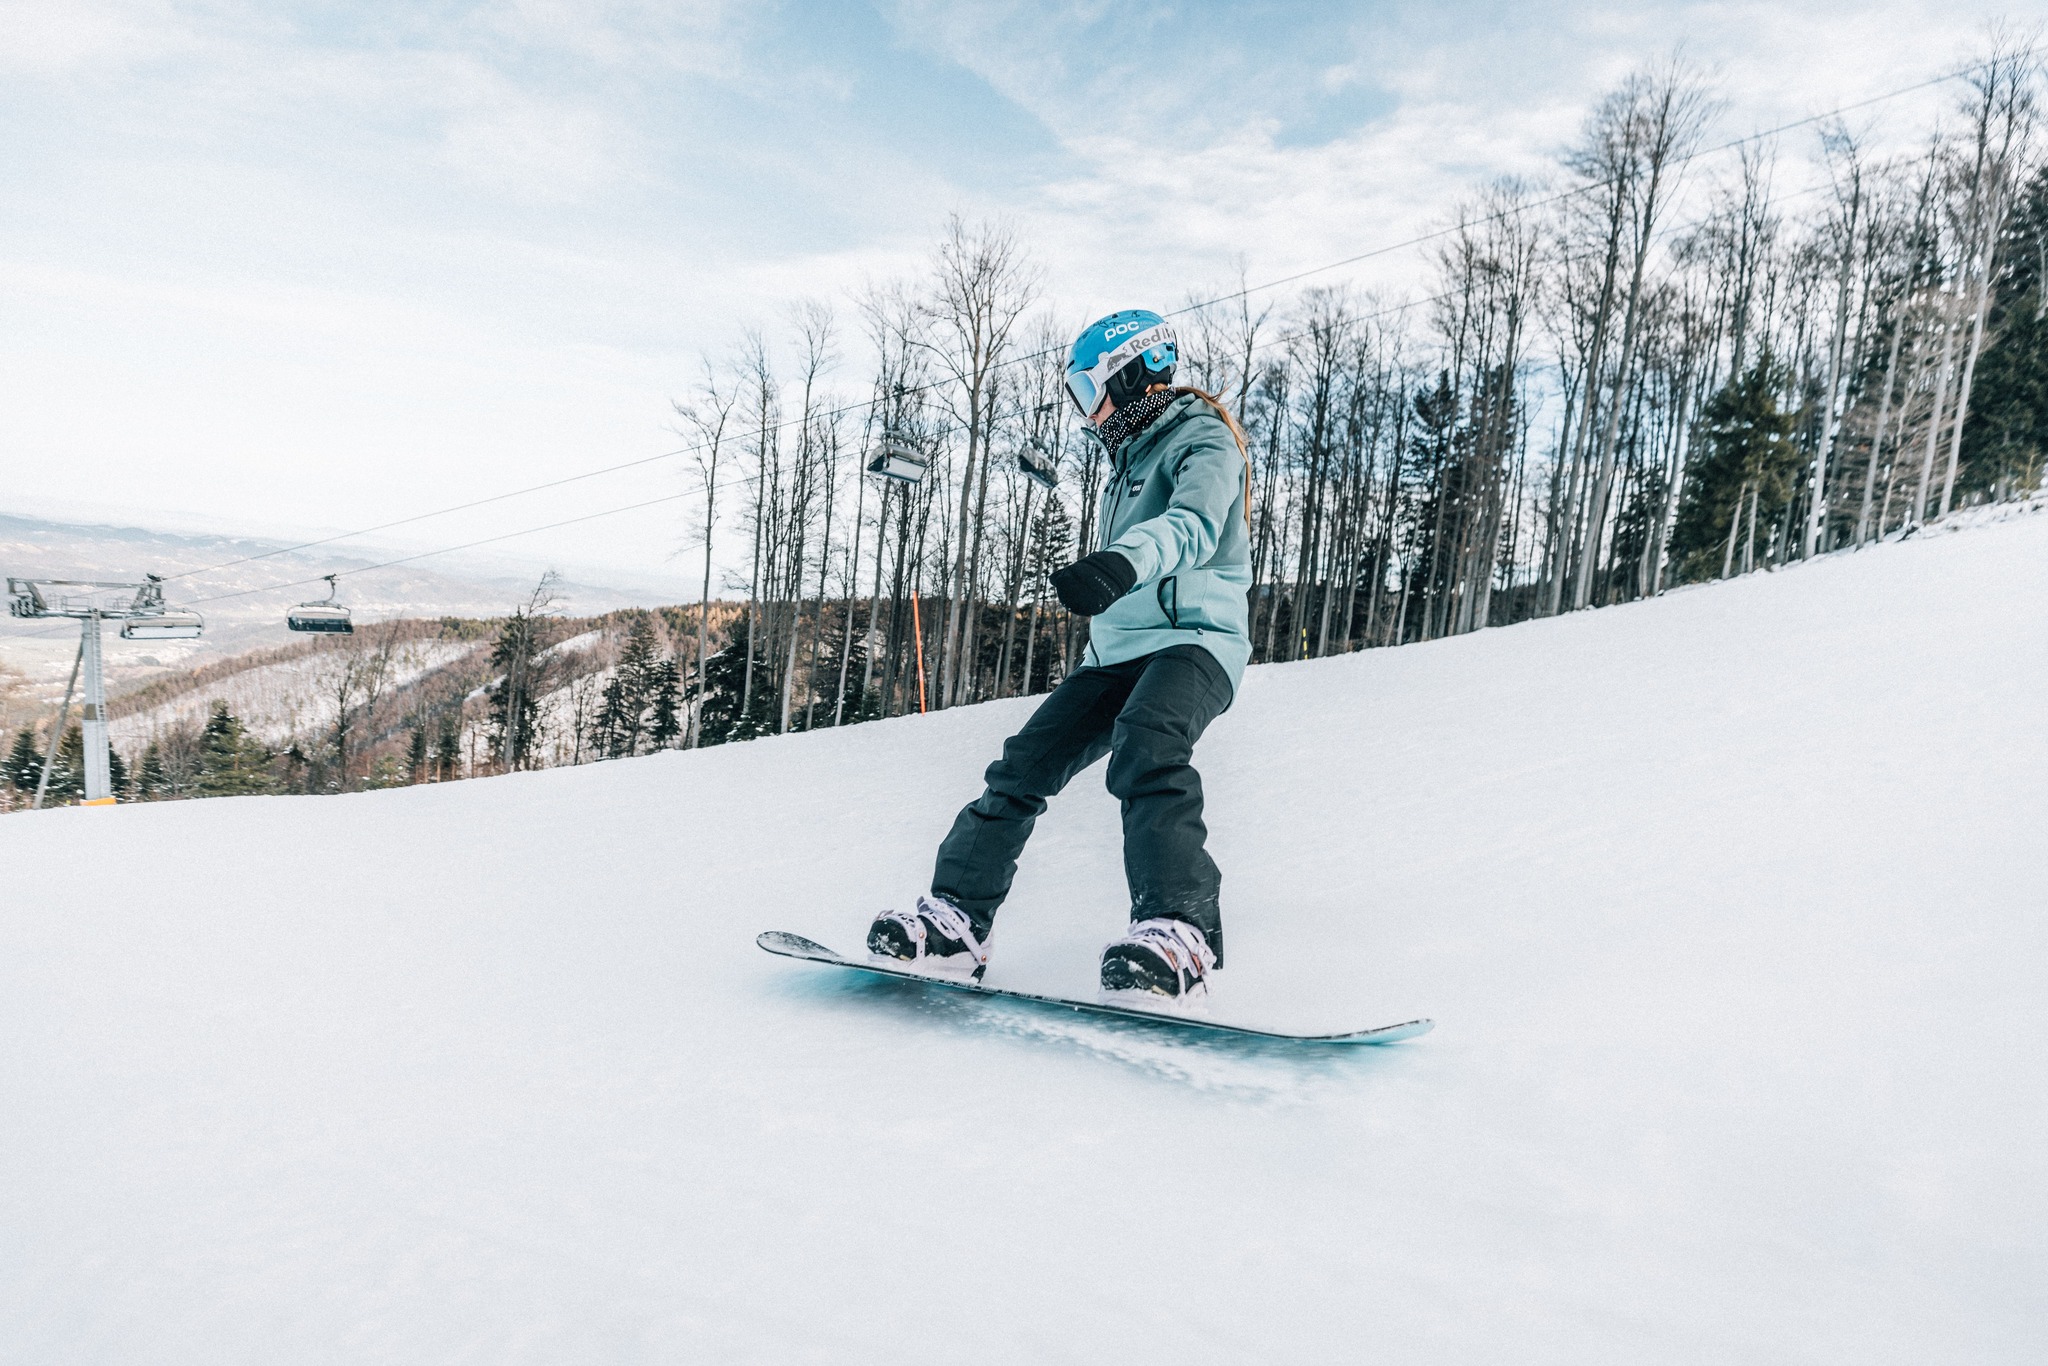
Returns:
(141,610)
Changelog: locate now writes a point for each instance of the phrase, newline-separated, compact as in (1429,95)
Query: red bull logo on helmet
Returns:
(1108,344)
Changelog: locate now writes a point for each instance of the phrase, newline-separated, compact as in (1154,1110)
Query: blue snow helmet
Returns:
(1109,344)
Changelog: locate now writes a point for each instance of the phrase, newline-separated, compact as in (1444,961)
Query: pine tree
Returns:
(1052,545)
(24,767)
(2006,438)
(524,664)
(231,762)
(609,738)
(630,693)
(665,721)
(154,783)
(24,763)
(631,688)
(1747,471)
(298,769)
(725,693)
(416,755)
(388,771)
(67,775)
(1434,457)
(448,746)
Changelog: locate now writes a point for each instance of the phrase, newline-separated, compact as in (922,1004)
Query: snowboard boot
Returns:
(936,937)
(1159,957)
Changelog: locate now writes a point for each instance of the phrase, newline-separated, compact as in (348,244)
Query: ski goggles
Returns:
(1088,386)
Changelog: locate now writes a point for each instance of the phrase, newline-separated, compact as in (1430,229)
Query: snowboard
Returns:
(796,946)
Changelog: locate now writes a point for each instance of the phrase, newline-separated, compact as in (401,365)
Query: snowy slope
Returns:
(1729,907)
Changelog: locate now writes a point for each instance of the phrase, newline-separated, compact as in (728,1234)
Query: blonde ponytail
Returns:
(1243,445)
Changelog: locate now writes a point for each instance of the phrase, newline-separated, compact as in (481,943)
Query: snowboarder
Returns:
(1167,646)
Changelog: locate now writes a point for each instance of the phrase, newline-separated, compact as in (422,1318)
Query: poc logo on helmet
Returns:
(1118,329)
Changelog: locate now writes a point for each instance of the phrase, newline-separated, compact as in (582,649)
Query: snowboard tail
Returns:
(796,946)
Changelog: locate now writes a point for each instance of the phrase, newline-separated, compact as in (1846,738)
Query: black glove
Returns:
(1091,584)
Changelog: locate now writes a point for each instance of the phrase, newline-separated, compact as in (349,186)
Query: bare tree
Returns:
(1652,125)
(981,284)
(811,479)
(523,640)
(2002,116)
(706,417)
(1845,164)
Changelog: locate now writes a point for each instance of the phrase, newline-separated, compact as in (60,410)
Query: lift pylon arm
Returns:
(90,602)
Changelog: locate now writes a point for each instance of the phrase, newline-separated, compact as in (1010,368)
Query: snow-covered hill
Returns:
(1729,906)
(285,699)
(239,616)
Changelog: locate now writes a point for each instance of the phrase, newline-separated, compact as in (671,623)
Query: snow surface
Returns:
(1729,908)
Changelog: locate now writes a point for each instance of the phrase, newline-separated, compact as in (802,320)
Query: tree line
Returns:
(532,689)
(1641,372)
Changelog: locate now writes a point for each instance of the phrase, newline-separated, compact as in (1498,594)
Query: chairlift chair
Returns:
(898,461)
(171,625)
(1038,465)
(325,616)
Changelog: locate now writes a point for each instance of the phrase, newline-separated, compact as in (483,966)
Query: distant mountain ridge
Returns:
(244,603)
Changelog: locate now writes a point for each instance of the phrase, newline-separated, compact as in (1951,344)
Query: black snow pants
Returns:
(1146,714)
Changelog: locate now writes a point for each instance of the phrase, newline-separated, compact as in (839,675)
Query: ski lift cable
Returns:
(607,512)
(1280,339)
(1562,196)
(445,550)
(654,502)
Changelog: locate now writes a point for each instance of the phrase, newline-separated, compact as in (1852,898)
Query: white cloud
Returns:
(1471,95)
(701,37)
(49,39)
(530,147)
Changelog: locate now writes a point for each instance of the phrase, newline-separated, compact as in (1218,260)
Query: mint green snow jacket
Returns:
(1174,506)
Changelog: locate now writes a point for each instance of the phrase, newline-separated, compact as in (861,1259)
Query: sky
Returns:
(296,269)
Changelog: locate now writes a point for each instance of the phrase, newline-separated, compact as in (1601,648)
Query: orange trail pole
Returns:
(917,626)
